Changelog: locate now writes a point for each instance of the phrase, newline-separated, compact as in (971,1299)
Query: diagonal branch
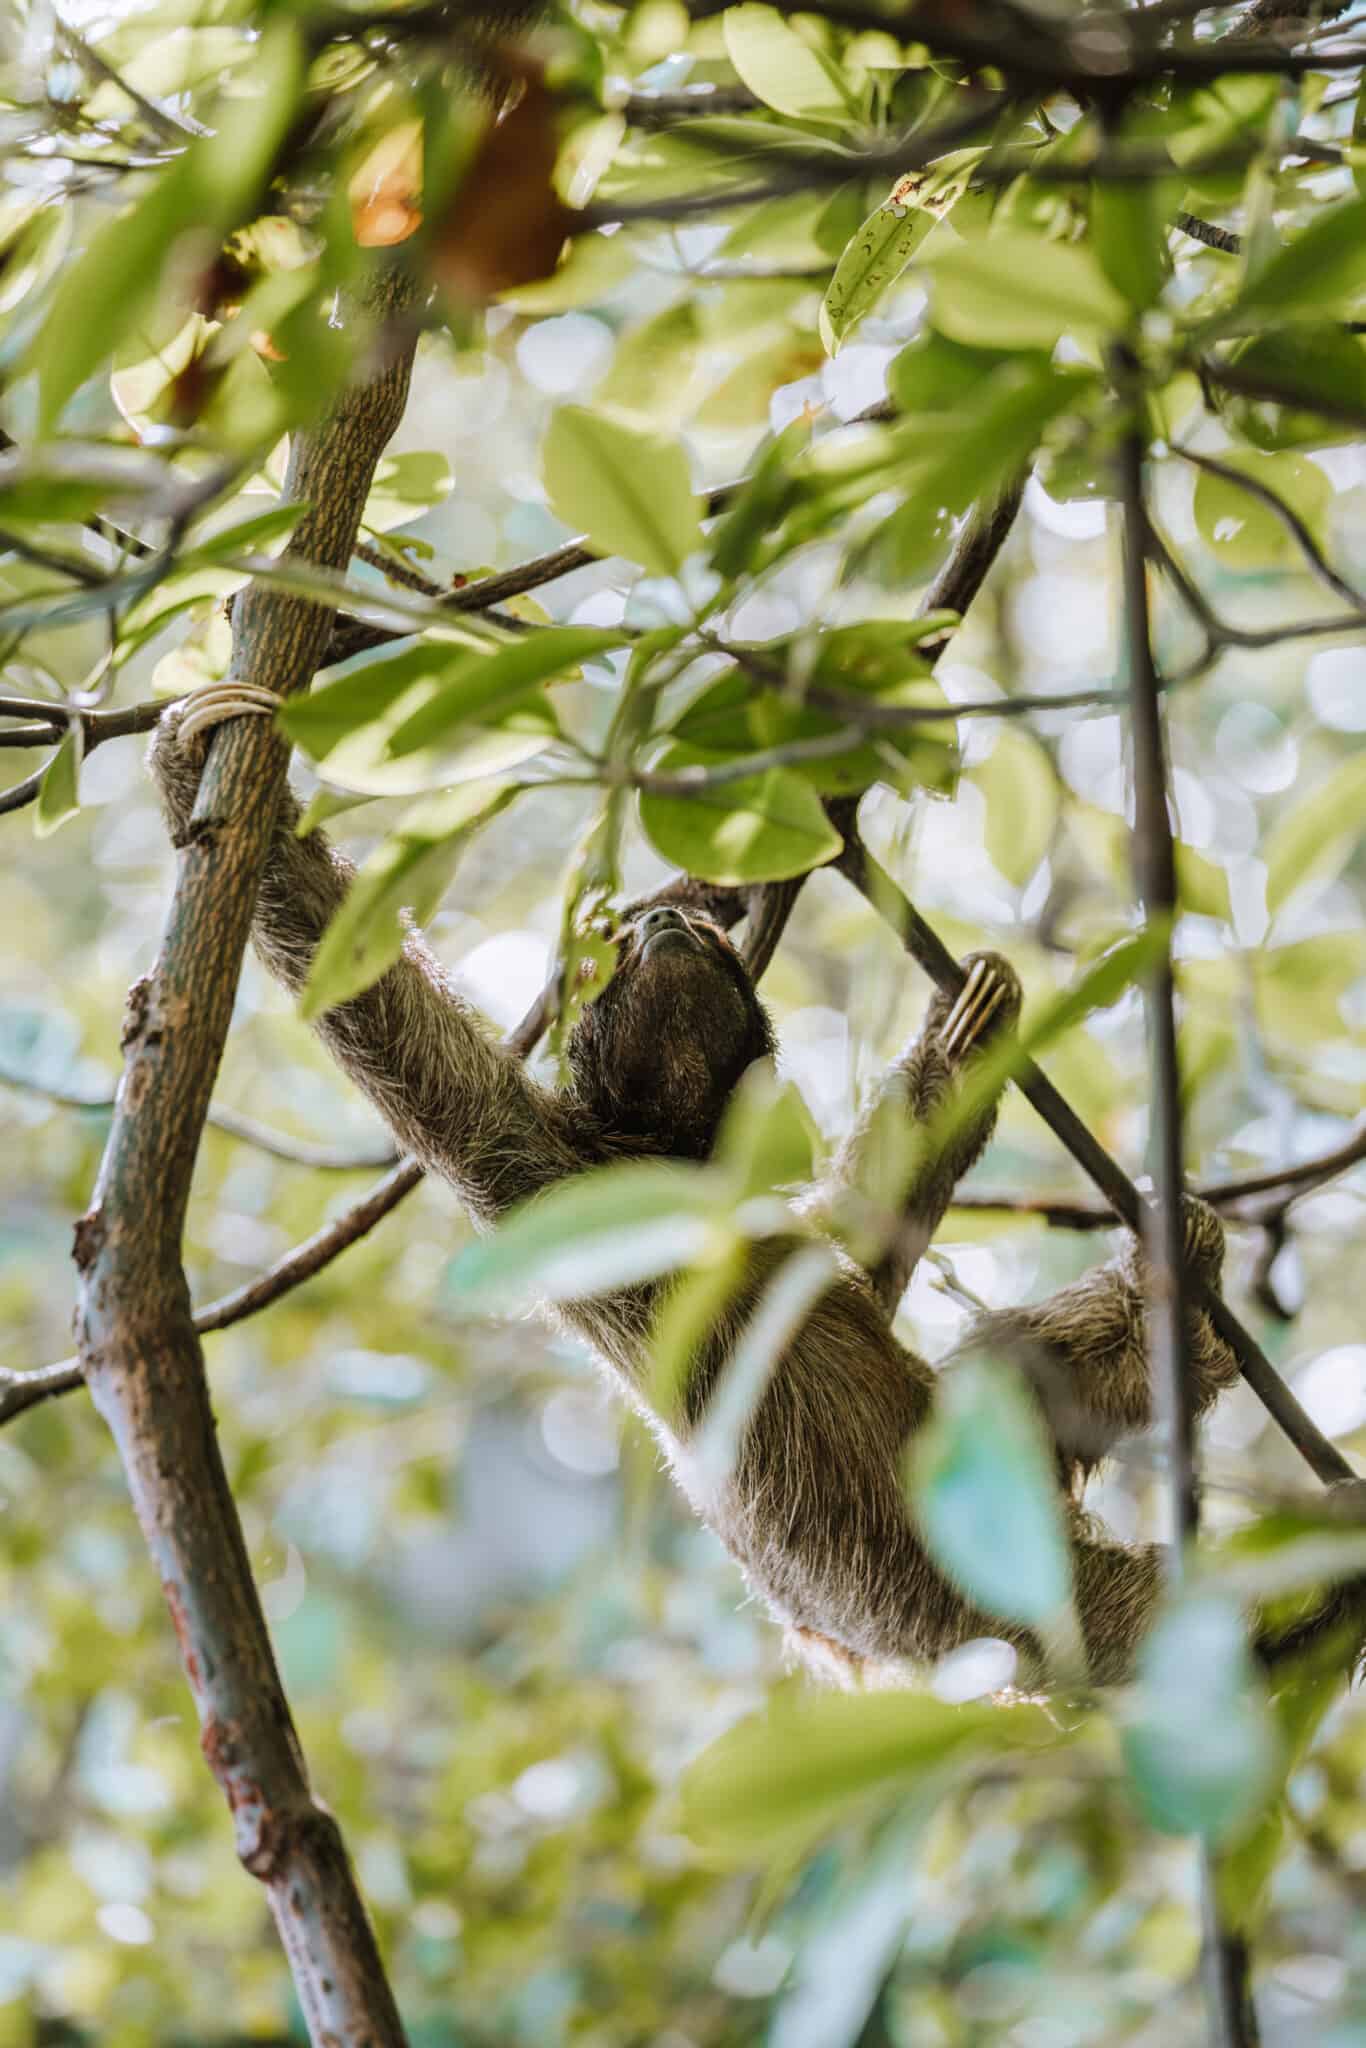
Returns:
(926,947)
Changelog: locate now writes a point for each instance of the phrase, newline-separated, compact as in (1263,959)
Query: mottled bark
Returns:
(141,1358)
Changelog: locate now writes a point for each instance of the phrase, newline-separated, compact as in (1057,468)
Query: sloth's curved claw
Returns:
(218,702)
(980,997)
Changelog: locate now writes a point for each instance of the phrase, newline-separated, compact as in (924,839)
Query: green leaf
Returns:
(325,804)
(735,716)
(593,267)
(244,536)
(776,1782)
(409,871)
(954,458)
(934,374)
(1307,362)
(1129,231)
(1242,531)
(1019,291)
(762,828)
(614,1227)
(782,70)
(767,1139)
(760,503)
(1020,790)
(654,367)
(1323,270)
(347,723)
(209,188)
(59,792)
(1201,883)
(1312,841)
(1245,1871)
(1199,1742)
(874,260)
(986,1494)
(405,487)
(628,489)
(478,689)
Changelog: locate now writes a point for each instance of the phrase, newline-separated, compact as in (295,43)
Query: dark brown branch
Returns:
(1205,231)
(141,1358)
(1073,59)
(1288,1182)
(1154,864)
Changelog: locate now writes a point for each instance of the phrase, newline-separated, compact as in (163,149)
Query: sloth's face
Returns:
(658,1053)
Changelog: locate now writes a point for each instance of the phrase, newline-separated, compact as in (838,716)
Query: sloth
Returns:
(814,1506)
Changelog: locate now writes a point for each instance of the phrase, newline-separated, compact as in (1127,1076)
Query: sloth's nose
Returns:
(663,918)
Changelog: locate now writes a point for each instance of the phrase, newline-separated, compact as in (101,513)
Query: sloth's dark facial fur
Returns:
(657,1055)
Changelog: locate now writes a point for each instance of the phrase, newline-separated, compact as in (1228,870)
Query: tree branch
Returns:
(1289,518)
(1291,1182)
(141,1358)
(926,947)
(1224,1958)
(297,1151)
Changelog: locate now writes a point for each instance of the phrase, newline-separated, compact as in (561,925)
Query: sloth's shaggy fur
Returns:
(814,1507)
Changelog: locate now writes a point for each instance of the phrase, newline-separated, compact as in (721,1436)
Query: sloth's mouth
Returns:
(674,938)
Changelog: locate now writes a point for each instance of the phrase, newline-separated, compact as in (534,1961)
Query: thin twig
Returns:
(1289,518)
(1220,630)
(1066,1212)
(298,1151)
(1205,231)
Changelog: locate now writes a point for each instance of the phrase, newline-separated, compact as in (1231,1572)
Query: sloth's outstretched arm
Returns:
(1085,1349)
(426,1059)
(915,1098)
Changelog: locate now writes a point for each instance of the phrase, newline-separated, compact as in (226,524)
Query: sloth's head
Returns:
(657,1054)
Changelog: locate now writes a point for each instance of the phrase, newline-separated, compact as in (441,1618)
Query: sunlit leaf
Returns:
(59,792)
(406,486)
(1020,789)
(1323,269)
(1312,840)
(812,1760)
(1020,291)
(408,872)
(477,689)
(759,828)
(1245,532)
(212,185)
(628,489)
(614,1227)
(781,69)
(874,260)
(1129,231)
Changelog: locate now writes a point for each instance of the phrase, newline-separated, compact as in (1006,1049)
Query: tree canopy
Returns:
(898,467)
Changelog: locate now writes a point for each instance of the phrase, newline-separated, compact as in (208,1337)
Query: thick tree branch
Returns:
(141,1358)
